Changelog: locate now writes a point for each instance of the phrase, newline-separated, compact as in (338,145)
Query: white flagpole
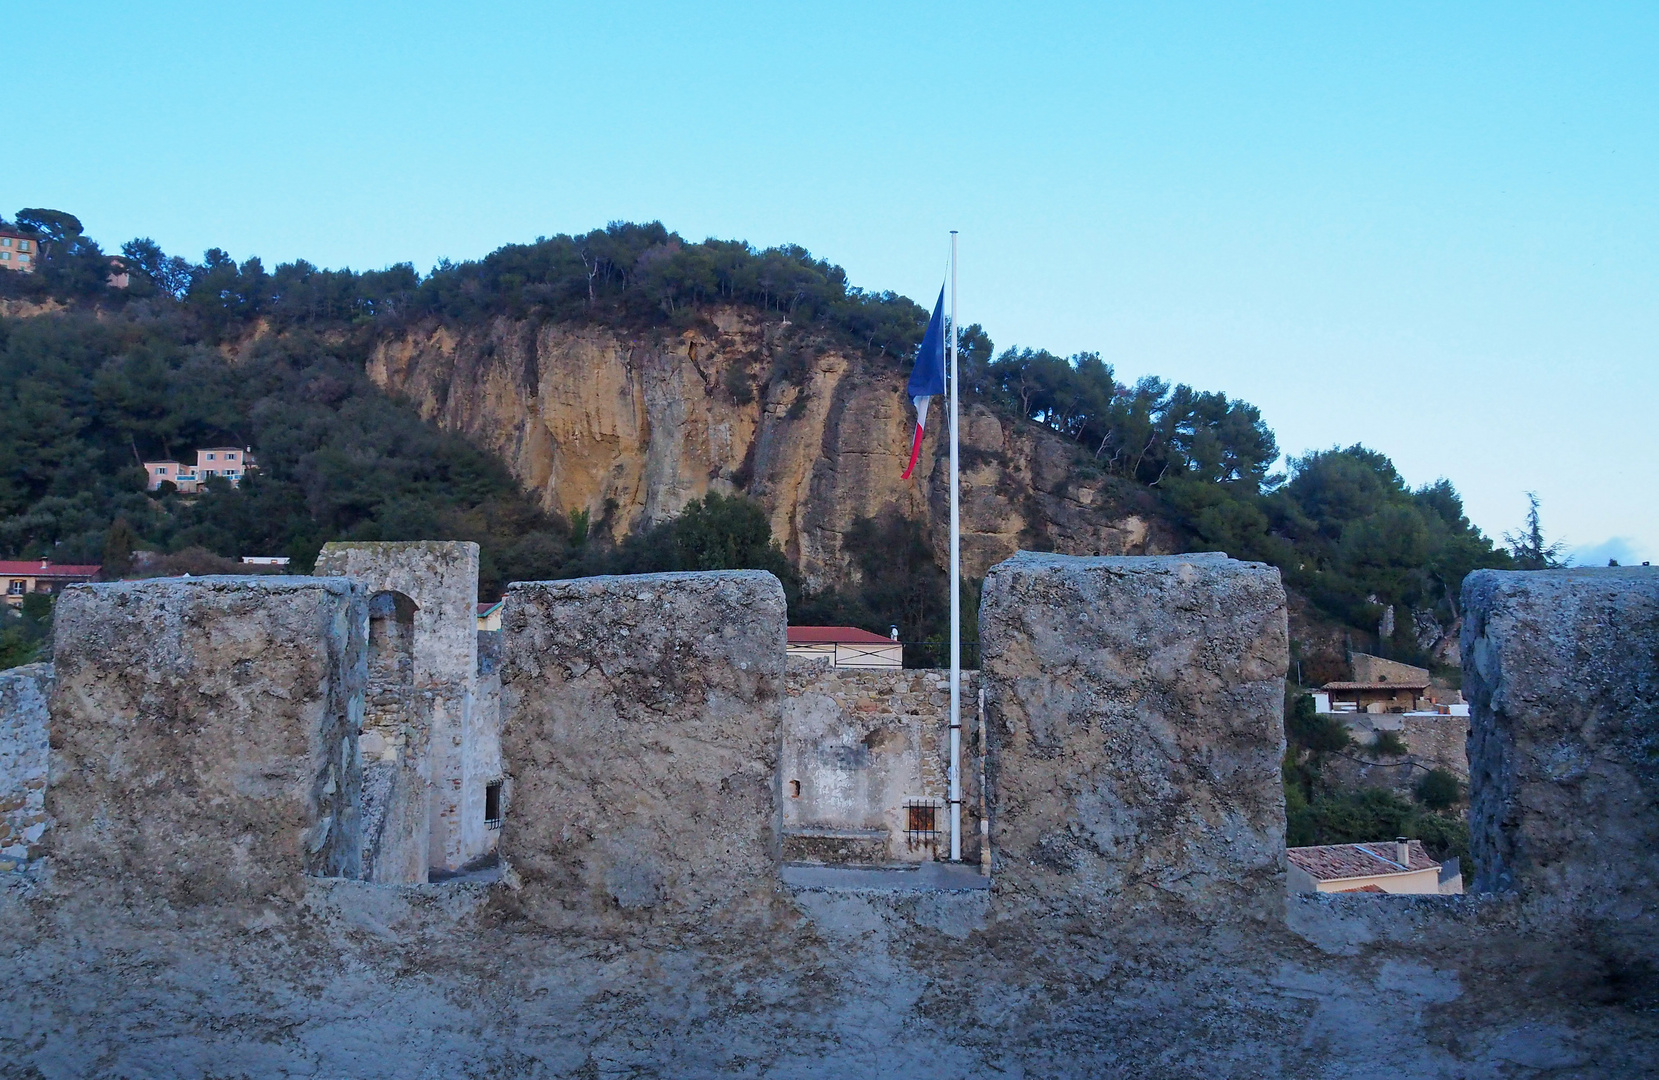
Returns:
(955,596)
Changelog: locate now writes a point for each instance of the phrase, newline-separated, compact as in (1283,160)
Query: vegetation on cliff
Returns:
(219,351)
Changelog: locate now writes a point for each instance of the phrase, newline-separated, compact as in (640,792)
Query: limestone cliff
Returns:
(630,426)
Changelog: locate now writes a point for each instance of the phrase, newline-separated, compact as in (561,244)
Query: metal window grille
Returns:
(921,822)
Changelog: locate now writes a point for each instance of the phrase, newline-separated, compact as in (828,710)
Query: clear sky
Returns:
(1430,228)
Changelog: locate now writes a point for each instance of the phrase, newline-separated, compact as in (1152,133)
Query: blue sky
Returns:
(1429,228)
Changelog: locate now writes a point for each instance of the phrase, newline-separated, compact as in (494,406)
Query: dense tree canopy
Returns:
(87,398)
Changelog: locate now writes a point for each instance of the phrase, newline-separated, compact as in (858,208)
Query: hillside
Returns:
(580,393)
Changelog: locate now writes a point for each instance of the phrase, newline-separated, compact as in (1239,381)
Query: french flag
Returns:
(927,381)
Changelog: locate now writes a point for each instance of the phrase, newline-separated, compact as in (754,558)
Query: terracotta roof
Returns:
(1402,684)
(1366,888)
(1335,862)
(835,635)
(485,609)
(40,568)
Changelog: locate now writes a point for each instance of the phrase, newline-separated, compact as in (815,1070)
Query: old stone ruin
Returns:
(220,873)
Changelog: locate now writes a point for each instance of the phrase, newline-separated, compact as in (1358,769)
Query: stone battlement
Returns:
(205,904)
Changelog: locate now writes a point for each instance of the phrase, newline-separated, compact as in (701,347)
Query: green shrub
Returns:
(1309,730)
(1389,744)
(1438,790)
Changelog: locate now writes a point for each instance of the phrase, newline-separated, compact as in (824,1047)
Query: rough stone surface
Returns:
(24,729)
(463,979)
(642,730)
(860,743)
(204,736)
(1561,668)
(1137,730)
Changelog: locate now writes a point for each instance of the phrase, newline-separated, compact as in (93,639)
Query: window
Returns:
(23,245)
(210,457)
(161,471)
(5,256)
(5,241)
(492,805)
(794,789)
(17,587)
(22,258)
(921,822)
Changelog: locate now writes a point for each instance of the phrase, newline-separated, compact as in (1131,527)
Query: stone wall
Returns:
(1561,669)
(860,743)
(640,928)
(23,759)
(641,728)
(1137,730)
(1432,742)
(427,759)
(204,737)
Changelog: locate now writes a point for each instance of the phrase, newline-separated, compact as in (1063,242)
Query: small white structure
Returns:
(1400,867)
(265,560)
(844,647)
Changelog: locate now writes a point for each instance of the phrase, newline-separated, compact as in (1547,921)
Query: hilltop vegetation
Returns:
(226,352)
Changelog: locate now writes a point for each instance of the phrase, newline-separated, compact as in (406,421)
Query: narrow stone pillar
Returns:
(641,721)
(204,737)
(23,757)
(1136,722)
(427,767)
(1561,669)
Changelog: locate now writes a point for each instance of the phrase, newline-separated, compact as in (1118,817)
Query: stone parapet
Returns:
(641,726)
(24,734)
(1561,669)
(1136,729)
(204,736)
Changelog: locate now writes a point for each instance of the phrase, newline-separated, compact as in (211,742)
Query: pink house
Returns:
(230,462)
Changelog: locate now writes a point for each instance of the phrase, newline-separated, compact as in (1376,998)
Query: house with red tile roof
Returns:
(845,647)
(26,576)
(1398,866)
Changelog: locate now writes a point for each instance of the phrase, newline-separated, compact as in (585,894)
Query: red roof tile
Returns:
(485,609)
(39,569)
(834,635)
(1334,862)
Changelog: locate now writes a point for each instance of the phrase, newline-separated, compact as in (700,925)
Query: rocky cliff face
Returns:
(629,427)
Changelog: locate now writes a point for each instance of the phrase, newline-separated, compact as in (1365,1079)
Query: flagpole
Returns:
(955,595)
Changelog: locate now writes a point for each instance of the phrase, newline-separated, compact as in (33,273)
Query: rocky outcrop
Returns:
(629,427)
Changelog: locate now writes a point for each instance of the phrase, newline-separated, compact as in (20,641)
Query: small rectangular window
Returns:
(210,457)
(23,245)
(492,804)
(5,241)
(17,587)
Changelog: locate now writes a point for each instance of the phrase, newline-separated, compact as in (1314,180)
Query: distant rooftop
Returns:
(1391,684)
(1334,862)
(835,635)
(41,568)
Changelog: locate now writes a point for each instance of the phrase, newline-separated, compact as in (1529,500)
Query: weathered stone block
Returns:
(1561,669)
(1137,729)
(204,736)
(23,759)
(641,726)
